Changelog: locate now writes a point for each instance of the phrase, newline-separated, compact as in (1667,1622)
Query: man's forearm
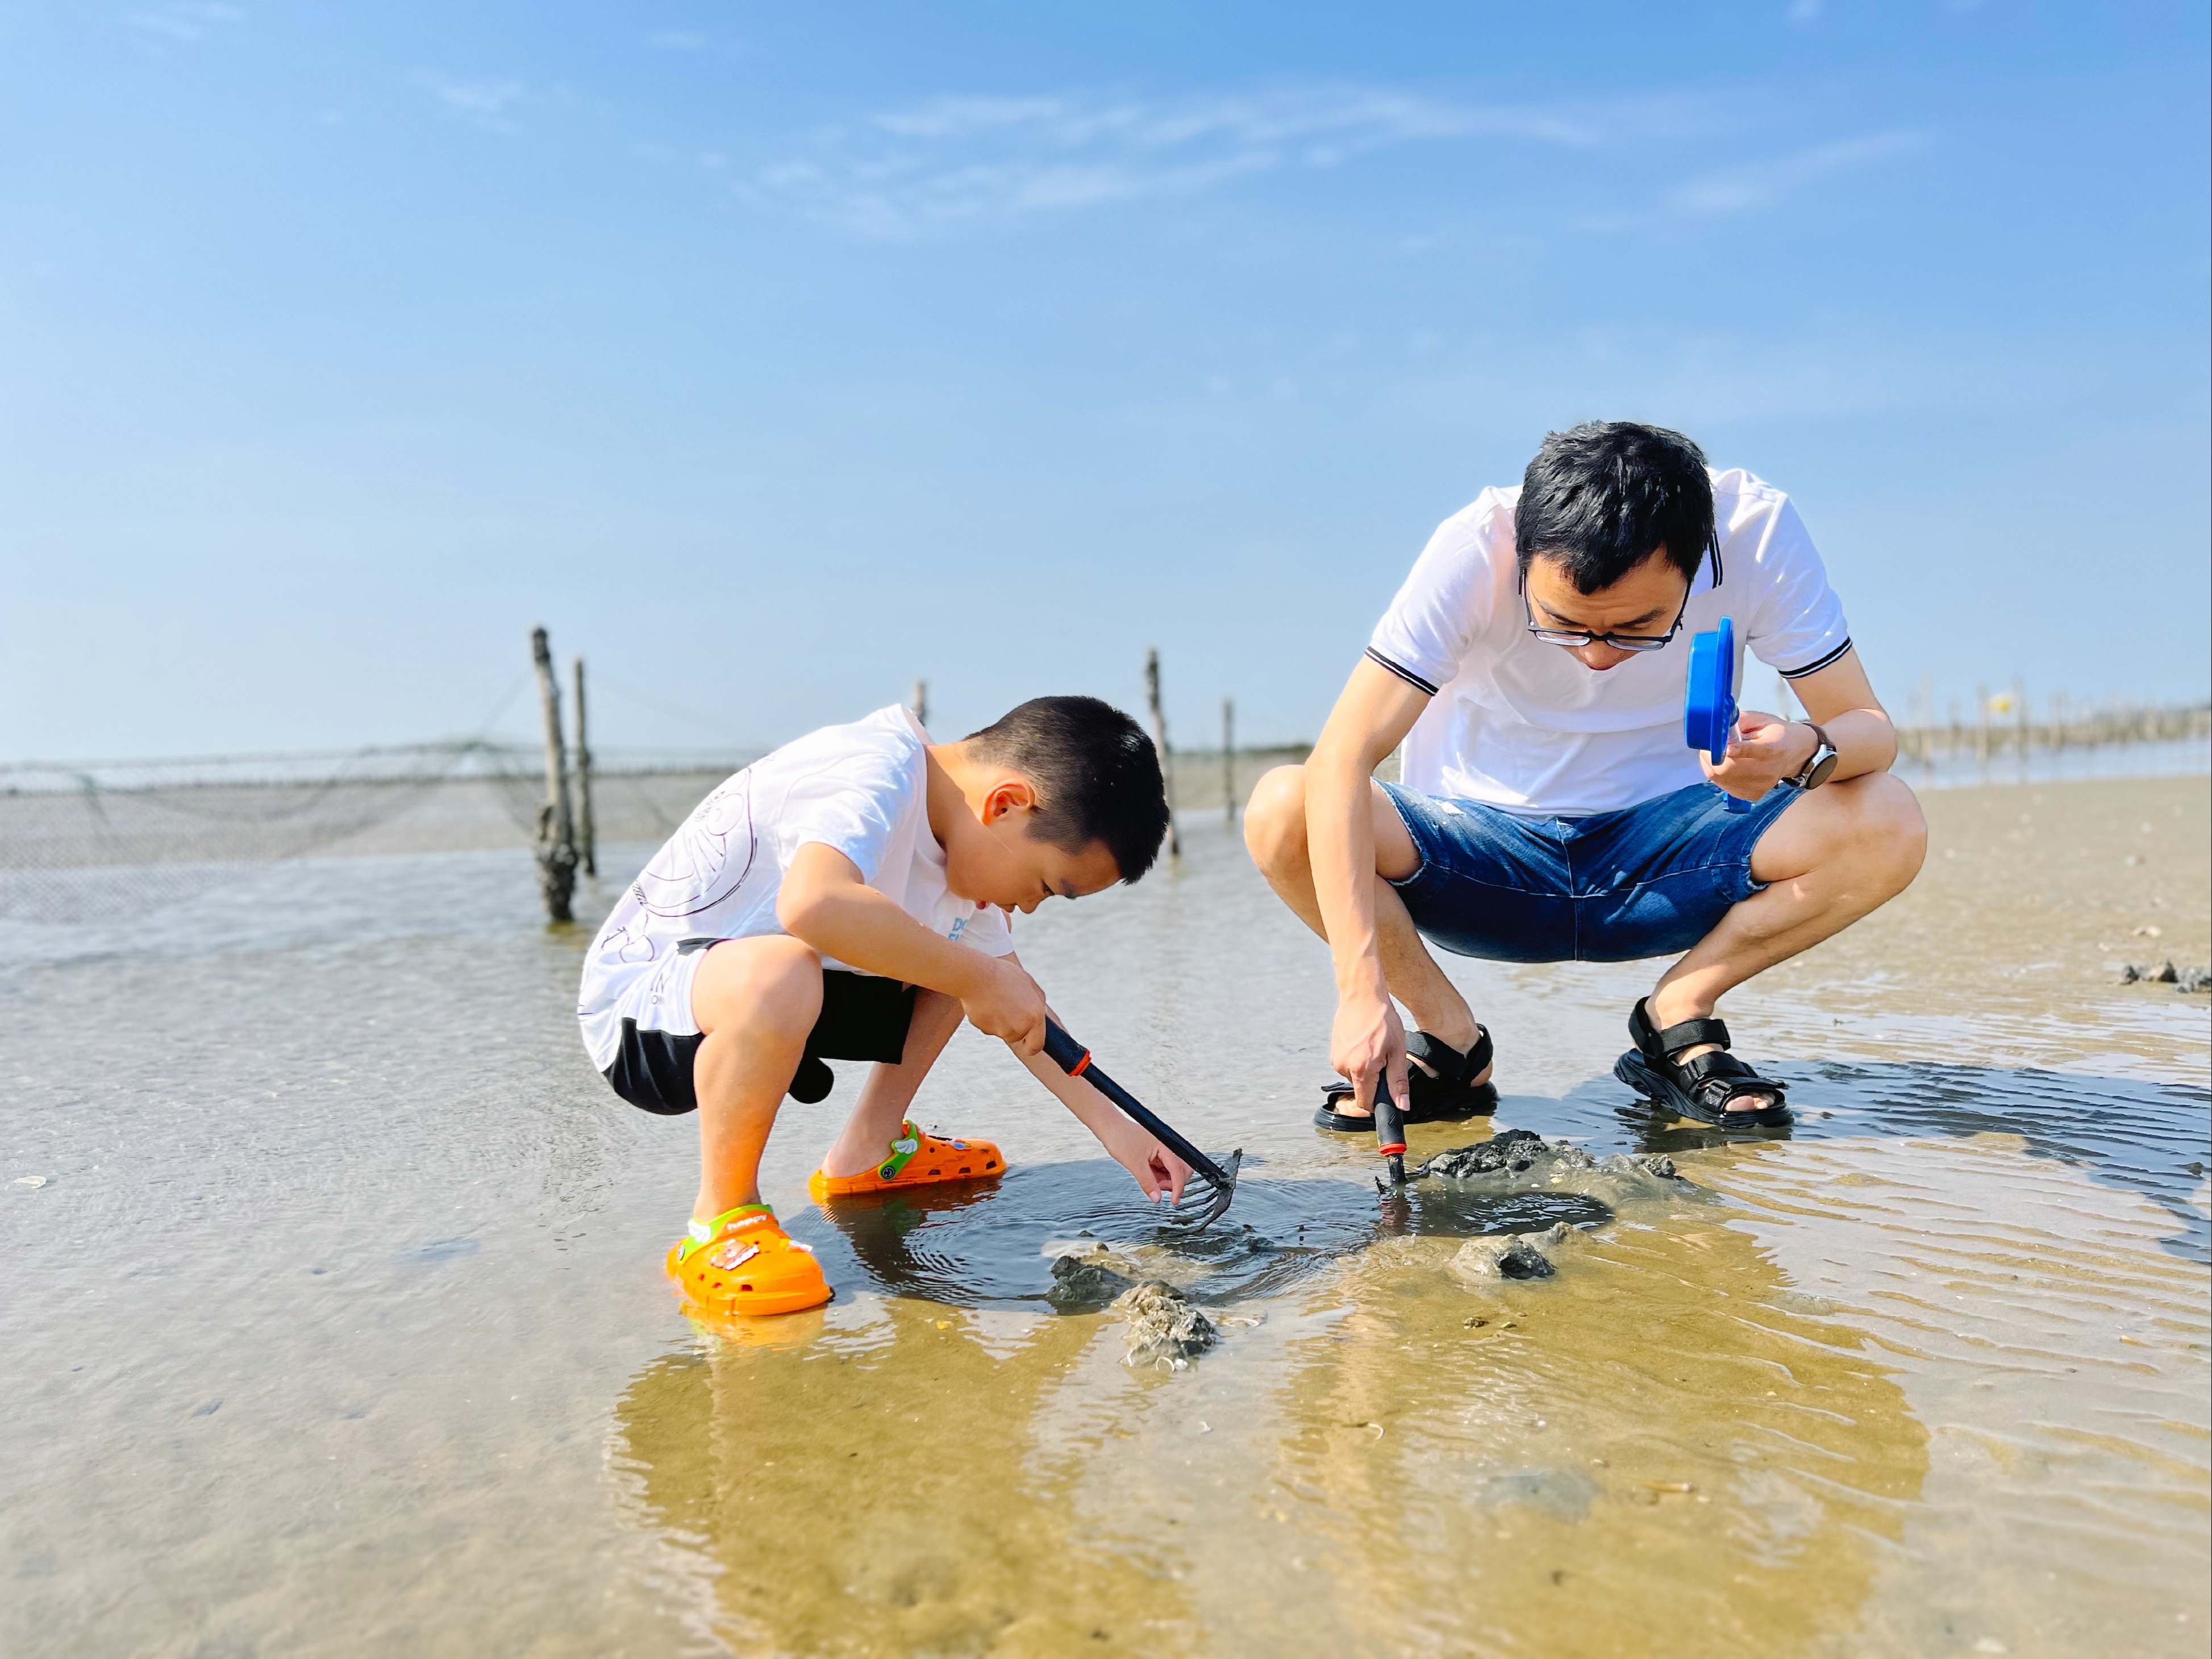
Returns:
(1340,845)
(1865,742)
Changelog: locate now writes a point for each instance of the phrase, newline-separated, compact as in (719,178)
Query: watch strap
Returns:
(1822,744)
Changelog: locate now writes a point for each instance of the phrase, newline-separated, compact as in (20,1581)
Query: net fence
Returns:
(98,840)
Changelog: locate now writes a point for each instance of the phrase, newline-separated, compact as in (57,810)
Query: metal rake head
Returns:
(1206,1195)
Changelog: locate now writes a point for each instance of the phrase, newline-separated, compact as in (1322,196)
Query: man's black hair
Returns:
(1601,498)
(1095,770)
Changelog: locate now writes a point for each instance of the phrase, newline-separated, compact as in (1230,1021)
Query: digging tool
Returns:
(1389,1131)
(1216,1184)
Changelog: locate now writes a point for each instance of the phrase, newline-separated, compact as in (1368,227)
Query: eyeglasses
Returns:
(1579,636)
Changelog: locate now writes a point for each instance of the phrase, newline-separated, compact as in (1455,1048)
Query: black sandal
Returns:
(1446,1097)
(1700,1088)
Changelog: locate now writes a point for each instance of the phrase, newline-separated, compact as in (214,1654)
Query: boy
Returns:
(845,898)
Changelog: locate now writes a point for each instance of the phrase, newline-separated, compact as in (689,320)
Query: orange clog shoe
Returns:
(746,1264)
(916,1159)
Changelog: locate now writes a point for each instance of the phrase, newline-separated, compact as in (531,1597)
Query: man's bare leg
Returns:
(890,1090)
(1829,859)
(756,999)
(1275,836)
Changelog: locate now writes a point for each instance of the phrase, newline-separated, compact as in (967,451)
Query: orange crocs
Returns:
(916,1159)
(746,1264)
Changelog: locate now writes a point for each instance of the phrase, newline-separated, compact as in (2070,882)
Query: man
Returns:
(1534,667)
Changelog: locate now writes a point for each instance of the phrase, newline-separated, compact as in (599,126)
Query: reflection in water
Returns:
(888,1490)
(1389,1455)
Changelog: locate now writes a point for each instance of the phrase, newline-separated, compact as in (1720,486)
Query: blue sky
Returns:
(774,356)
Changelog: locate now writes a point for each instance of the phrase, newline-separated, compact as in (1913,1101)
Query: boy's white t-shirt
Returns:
(1520,725)
(862,789)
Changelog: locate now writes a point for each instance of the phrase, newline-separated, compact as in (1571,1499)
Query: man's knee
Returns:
(1881,824)
(1275,820)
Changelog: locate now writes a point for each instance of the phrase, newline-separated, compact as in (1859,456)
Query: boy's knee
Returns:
(1275,819)
(768,986)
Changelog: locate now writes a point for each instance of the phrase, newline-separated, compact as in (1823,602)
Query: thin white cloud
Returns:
(676,40)
(952,161)
(1756,184)
(481,102)
(179,23)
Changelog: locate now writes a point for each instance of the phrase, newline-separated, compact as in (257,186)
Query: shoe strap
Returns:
(1447,1062)
(904,1147)
(1692,1032)
(699,1234)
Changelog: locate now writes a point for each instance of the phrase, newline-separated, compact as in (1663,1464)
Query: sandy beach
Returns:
(339,1327)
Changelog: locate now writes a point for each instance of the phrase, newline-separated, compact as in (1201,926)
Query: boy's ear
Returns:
(1012,794)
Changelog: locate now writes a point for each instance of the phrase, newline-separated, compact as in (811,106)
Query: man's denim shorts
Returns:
(1649,880)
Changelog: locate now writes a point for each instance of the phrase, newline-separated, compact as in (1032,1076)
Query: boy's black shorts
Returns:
(862,1017)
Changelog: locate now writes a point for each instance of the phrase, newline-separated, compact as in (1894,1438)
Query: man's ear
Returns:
(1013,794)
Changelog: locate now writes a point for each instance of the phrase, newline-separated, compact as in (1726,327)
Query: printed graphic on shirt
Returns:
(861,790)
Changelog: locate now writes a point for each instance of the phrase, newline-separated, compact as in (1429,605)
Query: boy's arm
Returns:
(825,903)
(1156,1169)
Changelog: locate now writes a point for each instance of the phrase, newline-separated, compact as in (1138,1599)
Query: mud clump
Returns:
(1513,1255)
(1085,1283)
(1166,1329)
(1524,1158)
(2182,979)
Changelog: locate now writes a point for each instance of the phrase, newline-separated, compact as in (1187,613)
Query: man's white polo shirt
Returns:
(1521,725)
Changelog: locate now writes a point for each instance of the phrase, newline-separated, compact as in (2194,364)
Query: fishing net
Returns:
(83,841)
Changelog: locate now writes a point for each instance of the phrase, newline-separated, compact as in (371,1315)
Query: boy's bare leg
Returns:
(890,1090)
(756,999)
(1275,835)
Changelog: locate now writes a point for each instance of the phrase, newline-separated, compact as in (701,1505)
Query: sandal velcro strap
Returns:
(1691,1033)
(1450,1066)
(1719,1078)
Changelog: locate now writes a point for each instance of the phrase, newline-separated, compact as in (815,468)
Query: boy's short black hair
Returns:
(1096,771)
(1601,498)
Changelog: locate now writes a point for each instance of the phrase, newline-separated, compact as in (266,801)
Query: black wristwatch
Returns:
(1817,770)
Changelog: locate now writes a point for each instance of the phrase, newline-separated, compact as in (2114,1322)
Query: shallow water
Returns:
(338,1324)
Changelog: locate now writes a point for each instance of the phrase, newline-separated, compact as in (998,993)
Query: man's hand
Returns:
(1005,1003)
(1368,1040)
(1156,1169)
(1762,751)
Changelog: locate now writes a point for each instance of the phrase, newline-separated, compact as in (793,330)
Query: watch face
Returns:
(1821,769)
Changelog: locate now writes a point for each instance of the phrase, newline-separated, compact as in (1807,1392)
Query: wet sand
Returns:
(336,1325)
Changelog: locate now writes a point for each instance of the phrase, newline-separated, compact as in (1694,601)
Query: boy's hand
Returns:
(1762,751)
(1007,1003)
(1156,1169)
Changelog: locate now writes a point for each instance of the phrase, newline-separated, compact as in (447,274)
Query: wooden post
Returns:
(920,702)
(557,830)
(1229,760)
(587,851)
(1982,725)
(1160,742)
(2020,717)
